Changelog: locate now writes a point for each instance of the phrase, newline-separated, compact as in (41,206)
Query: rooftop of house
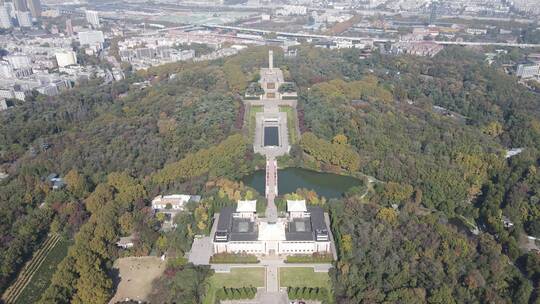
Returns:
(126,240)
(247,206)
(296,206)
(175,199)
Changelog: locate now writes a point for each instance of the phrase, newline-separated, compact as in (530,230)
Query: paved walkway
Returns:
(272,298)
(271,189)
(228,267)
(272,278)
(332,241)
(201,249)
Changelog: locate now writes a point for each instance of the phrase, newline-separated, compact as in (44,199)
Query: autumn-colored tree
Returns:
(493,129)
(346,243)
(335,154)
(388,215)
(76,183)
(101,195)
(126,223)
(397,193)
(340,139)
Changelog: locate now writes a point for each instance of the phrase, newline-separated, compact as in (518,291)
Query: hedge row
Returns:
(235,293)
(230,258)
(315,258)
(308,293)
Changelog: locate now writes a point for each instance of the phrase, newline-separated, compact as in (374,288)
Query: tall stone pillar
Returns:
(271,59)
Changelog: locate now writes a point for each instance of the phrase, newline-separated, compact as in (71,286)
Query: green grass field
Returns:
(291,123)
(303,277)
(253,110)
(41,279)
(238,277)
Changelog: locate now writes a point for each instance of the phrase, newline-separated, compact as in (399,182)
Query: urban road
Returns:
(379,40)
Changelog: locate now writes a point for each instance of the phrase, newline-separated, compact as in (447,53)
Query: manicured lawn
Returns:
(252,120)
(228,258)
(291,123)
(238,277)
(303,277)
(42,278)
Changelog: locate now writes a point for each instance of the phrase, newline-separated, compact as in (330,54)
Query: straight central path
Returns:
(271,188)
(271,293)
(272,278)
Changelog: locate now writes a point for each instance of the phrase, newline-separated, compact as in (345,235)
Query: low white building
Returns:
(91,38)
(66,58)
(246,209)
(6,71)
(303,231)
(526,71)
(3,106)
(126,242)
(19,61)
(174,202)
(292,10)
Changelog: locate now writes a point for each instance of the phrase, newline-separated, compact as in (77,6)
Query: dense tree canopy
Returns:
(431,131)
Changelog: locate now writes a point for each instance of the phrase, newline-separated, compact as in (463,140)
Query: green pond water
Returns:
(328,185)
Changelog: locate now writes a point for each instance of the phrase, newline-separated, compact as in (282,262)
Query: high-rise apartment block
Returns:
(5,18)
(24,18)
(93,18)
(69,27)
(35,7)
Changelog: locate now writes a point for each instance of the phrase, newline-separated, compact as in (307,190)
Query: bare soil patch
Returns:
(136,275)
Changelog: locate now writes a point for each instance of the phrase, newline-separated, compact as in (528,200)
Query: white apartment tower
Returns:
(35,7)
(24,18)
(5,18)
(93,18)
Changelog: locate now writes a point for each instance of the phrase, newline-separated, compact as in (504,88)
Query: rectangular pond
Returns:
(271,136)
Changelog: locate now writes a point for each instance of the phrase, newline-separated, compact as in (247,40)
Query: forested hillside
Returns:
(92,131)
(177,128)
(439,143)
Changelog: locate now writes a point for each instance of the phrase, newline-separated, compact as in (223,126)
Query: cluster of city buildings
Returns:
(145,51)
(423,48)
(456,7)
(47,64)
(45,61)
(160,47)
(21,13)
(528,6)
